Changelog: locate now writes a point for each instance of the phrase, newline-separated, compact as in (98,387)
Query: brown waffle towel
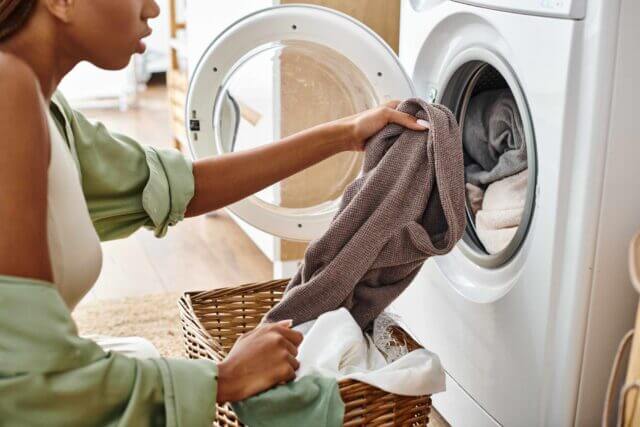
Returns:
(408,205)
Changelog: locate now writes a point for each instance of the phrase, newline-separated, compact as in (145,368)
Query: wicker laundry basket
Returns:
(213,320)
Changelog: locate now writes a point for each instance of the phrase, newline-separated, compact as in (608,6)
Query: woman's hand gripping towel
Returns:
(408,205)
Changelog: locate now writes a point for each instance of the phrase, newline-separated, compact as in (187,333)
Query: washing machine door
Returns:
(279,71)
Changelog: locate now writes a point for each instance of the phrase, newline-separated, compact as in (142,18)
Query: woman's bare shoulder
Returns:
(22,109)
(24,162)
(16,75)
(22,97)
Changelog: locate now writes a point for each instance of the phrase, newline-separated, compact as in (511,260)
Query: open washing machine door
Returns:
(279,71)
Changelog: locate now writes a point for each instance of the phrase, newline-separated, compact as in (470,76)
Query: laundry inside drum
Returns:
(499,159)
(286,87)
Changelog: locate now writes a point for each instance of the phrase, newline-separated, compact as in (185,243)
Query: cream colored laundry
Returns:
(501,213)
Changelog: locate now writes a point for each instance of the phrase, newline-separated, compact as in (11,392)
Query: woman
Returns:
(66,183)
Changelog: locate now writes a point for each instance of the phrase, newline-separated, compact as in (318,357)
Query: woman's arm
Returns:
(128,185)
(223,180)
(24,160)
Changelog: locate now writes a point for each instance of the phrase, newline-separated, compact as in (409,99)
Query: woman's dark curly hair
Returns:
(13,15)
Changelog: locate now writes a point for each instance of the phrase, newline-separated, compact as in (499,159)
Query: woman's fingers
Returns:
(286,323)
(289,346)
(293,362)
(424,123)
(392,104)
(285,370)
(284,330)
(407,120)
(359,128)
(404,119)
(287,374)
(292,335)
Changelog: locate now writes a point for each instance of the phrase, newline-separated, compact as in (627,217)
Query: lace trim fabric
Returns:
(385,340)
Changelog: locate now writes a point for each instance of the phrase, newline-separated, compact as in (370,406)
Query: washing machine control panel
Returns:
(570,9)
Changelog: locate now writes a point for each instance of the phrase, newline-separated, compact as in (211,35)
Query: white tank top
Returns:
(74,246)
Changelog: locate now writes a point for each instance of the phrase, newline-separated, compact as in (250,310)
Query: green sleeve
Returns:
(126,185)
(311,401)
(50,376)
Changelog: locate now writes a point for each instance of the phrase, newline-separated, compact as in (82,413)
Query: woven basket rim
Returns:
(186,298)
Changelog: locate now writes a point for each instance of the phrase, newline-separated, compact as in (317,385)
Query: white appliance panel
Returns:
(574,9)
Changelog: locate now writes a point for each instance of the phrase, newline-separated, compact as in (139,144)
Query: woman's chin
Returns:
(141,47)
(117,62)
(114,64)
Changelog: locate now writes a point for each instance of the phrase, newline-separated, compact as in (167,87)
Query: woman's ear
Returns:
(61,9)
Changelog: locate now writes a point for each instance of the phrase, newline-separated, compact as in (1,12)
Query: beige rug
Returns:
(154,317)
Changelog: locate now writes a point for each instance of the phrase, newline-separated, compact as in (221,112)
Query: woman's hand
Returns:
(360,127)
(259,360)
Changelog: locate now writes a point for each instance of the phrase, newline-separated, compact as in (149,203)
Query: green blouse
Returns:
(126,185)
(49,376)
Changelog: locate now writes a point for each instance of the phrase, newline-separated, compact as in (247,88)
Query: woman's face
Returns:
(107,32)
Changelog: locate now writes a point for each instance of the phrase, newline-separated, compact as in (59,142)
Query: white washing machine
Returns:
(526,335)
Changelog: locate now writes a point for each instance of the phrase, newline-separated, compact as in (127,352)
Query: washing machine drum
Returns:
(277,72)
(500,161)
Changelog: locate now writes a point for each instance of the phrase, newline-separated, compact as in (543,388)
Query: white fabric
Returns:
(334,346)
(137,347)
(74,246)
(501,213)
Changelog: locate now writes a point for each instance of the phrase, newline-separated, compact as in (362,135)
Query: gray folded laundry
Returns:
(408,205)
(493,136)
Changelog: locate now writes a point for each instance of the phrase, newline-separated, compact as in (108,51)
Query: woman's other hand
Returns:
(259,360)
(362,126)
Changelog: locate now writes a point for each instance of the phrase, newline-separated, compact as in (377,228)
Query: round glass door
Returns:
(278,72)
(280,89)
